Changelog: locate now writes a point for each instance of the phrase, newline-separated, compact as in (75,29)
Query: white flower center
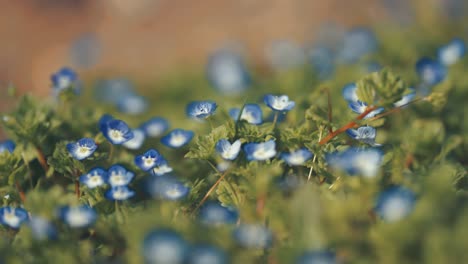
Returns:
(116,135)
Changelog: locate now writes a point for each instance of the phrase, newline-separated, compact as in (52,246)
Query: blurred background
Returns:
(146,39)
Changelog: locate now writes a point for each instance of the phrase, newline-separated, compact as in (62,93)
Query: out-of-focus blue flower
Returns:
(406,98)
(227,150)
(253,236)
(357,43)
(94,178)
(288,182)
(372,66)
(148,160)
(201,109)
(119,193)
(213,213)
(161,168)
(85,50)
(7,145)
(64,79)
(350,92)
(164,246)
(252,113)
(177,138)
(278,102)
(13,217)
(364,134)
(360,107)
(167,188)
(355,161)
(207,254)
(452,52)
(82,149)
(285,54)
(112,90)
(155,127)
(431,72)
(322,60)
(116,131)
(298,157)
(317,257)
(227,72)
(132,104)
(78,216)
(42,228)
(137,141)
(119,176)
(395,203)
(260,151)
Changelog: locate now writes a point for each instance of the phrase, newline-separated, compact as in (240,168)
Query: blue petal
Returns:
(430,71)
(352,133)
(349,92)
(7,145)
(155,127)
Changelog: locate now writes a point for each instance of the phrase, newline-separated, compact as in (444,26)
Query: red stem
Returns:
(42,160)
(21,193)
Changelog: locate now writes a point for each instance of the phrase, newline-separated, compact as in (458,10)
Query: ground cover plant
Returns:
(356,157)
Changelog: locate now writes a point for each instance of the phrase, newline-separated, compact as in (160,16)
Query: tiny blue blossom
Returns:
(252,113)
(357,43)
(116,131)
(395,203)
(227,150)
(13,217)
(355,161)
(78,216)
(317,257)
(167,188)
(148,160)
(285,54)
(298,157)
(132,104)
(155,127)
(213,213)
(112,90)
(201,109)
(164,246)
(137,141)
(227,72)
(431,72)
(253,236)
(260,151)
(360,107)
(7,145)
(82,149)
(207,254)
(452,52)
(63,79)
(94,178)
(364,134)
(406,98)
(177,138)
(322,60)
(119,193)
(278,102)
(119,176)
(350,92)
(41,228)
(161,168)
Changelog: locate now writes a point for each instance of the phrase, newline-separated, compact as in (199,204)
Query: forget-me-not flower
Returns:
(177,138)
(350,92)
(252,113)
(13,217)
(7,145)
(148,160)
(405,99)
(164,246)
(201,109)
(137,141)
(364,134)
(253,236)
(116,131)
(119,176)
(395,203)
(78,216)
(278,102)
(167,188)
(161,168)
(227,150)
(298,157)
(82,149)
(452,52)
(119,193)
(260,151)
(155,127)
(213,213)
(207,254)
(431,72)
(355,161)
(94,178)
(360,107)
(64,79)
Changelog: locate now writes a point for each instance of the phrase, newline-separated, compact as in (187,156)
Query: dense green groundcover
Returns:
(424,145)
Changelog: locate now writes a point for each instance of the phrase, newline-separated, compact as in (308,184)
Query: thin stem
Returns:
(315,156)
(210,191)
(213,167)
(21,192)
(29,171)
(111,151)
(275,118)
(42,160)
(330,111)
(396,109)
(77,185)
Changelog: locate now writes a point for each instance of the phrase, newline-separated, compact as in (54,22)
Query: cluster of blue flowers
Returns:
(117,177)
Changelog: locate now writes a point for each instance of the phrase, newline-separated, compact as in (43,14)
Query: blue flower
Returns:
(94,178)
(167,188)
(64,79)
(82,149)
(358,42)
(364,134)
(253,236)
(213,213)
(278,102)
(350,92)
(7,145)
(260,151)
(298,157)
(112,90)
(164,246)
(137,141)
(406,98)
(119,176)
(452,52)
(78,216)
(207,254)
(227,72)
(227,150)
(116,131)
(430,71)
(132,104)
(201,109)
(322,60)
(317,257)
(252,113)
(119,193)
(149,160)
(360,107)
(161,168)
(285,54)
(13,217)
(155,127)
(42,228)
(177,138)
(395,203)
(355,161)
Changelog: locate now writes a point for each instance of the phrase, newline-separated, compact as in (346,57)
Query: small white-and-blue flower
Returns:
(364,134)
(207,254)
(395,203)
(278,102)
(253,236)
(41,228)
(13,217)
(252,113)
(148,160)
(360,107)
(350,92)
(227,150)
(137,141)
(116,131)
(164,246)
(94,178)
(298,157)
(355,161)
(82,149)
(161,169)
(201,109)
(7,145)
(63,79)
(260,151)
(213,213)
(452,52)
(119,193)
(177,138)
(119,176)
(406,98)
(78,216)
(167,188)
(155,127)
(132,104)
(431,72)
